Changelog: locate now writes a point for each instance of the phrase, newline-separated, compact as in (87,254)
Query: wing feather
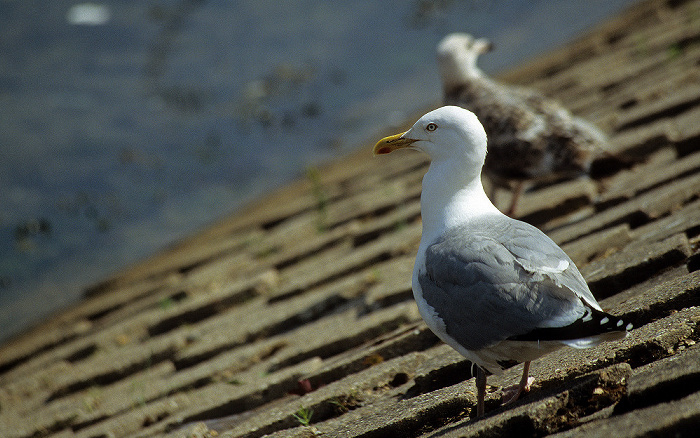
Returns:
(493,281)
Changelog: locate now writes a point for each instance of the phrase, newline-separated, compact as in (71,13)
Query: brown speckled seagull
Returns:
(530,137)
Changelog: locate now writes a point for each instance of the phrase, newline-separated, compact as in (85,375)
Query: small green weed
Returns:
(314,177)
(303,416)
(675,51)
(166,303)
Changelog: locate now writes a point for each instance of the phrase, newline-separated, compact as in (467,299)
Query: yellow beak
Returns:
(392,143)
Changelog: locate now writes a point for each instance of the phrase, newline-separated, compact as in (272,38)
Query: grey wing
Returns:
(491,285)
(540,256)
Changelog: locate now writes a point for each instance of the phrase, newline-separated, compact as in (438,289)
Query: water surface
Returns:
(126,125)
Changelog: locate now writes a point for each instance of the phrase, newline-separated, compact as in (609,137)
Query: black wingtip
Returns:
(593,323)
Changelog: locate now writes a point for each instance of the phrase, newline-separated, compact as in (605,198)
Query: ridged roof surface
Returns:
(295,318)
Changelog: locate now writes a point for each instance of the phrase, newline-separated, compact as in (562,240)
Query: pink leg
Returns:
(511,394)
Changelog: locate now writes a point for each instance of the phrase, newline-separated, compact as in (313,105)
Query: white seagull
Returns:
(495,289)
(531,137)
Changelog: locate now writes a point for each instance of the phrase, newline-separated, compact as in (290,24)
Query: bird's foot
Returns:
(512,393)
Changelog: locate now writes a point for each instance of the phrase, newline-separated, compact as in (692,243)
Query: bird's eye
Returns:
(431,127)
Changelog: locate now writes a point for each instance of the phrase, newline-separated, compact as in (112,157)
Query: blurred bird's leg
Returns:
(493,191)
(517,191)
(480,391)
(512,393)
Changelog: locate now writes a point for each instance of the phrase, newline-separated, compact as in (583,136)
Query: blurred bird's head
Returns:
(457,55)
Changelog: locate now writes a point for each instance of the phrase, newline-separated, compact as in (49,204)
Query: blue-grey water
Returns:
(126,125)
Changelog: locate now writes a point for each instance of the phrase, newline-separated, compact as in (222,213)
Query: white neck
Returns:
(470,69)
(458,70)
(452,194)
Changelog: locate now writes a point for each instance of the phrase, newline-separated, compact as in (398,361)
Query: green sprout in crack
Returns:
(267,251)
(675,51)
(139,391)
(93,399)
(303,416)
(339,405)
(166,303)
(347,402)
(400,225)
(373,276)
(314,177)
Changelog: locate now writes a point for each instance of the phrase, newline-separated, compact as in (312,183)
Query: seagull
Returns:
(494,288)
(531,138)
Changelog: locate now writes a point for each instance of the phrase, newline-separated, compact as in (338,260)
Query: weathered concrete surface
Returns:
(295,317)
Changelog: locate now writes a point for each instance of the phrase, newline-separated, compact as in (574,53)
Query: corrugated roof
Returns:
(295,317)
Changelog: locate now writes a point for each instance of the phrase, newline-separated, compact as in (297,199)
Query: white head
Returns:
(457,54)
(448,134)
(452,192)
